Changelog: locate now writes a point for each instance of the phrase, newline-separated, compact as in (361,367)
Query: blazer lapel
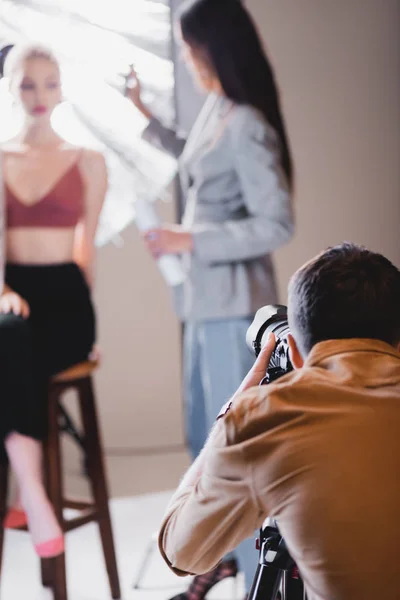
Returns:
(196,138)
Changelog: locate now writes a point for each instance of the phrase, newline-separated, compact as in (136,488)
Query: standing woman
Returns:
(237,177)
(53,195)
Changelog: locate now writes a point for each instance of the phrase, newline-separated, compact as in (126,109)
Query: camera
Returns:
(271,319)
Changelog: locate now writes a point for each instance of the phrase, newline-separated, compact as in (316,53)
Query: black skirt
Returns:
(59,333)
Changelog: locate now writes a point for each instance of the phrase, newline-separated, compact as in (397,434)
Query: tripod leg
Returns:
(292,586)
(149,551)
(266,584)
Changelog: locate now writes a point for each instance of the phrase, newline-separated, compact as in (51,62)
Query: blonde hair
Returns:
(20,53)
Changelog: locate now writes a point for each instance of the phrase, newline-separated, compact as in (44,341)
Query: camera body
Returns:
(271,319)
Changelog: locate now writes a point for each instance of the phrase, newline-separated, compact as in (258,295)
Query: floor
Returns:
(129,475)
(135,519)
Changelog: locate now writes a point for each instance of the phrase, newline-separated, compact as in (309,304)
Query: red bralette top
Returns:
(63,206)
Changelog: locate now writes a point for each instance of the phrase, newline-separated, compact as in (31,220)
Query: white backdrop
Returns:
(96,43)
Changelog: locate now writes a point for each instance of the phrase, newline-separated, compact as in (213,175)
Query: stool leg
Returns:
(98,482)
(47,576)
(45,565)
(53,569)
(3,504)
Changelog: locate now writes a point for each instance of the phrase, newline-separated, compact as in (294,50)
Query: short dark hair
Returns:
(345,292)
(225,31)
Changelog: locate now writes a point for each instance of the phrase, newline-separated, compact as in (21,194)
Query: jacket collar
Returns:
(330,348)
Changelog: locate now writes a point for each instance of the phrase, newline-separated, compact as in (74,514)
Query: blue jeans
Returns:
(216,359)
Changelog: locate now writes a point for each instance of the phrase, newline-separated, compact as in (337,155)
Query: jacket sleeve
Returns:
(164,138)
(210,518)
(266,196)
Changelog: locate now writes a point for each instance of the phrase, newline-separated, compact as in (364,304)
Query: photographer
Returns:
(319,449)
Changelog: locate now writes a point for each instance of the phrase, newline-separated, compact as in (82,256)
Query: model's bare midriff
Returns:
(40,245)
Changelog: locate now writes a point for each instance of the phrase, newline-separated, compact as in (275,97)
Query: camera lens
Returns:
(271,319)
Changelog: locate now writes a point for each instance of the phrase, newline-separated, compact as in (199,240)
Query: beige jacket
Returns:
(320,451)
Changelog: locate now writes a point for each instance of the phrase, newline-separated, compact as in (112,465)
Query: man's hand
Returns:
(252,379)
(259,369)
(256,374)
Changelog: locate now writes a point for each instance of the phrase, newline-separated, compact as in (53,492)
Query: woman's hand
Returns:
(133,88)
(133,91)
(95,355)
(171,239)
(11,302)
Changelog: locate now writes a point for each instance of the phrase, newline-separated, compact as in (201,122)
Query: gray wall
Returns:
(338,65)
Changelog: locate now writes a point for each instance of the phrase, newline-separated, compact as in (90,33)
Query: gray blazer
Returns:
(238,207)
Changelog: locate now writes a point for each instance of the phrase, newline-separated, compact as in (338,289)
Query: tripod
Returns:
(277,577)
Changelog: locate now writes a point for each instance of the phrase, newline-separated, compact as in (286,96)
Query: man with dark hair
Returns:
(346,292)
(319,449)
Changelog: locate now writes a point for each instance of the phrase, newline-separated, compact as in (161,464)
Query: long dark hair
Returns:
(225,32)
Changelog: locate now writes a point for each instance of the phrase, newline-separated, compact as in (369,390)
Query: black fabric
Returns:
(59,333)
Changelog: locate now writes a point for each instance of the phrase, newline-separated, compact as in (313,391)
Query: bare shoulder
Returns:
(92,163)
(92,166)
(93,169)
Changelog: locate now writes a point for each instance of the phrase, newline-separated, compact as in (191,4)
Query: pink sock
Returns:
(51,548)
(15,519)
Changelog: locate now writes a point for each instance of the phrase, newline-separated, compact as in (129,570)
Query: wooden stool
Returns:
(78,378)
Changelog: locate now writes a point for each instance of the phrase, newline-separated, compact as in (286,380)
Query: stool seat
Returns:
(79,371)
